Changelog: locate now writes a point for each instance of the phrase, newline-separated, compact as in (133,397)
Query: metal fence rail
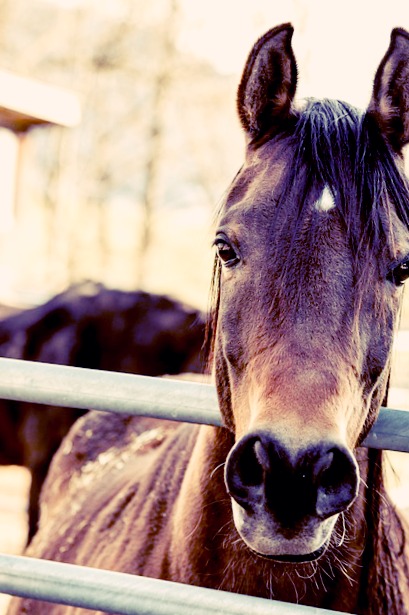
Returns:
(127,594)
(76,387)
(120,593)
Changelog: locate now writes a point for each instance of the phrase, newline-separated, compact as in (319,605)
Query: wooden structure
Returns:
(25,103)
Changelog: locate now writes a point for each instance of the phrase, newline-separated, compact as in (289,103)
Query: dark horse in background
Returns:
(95,327)
(282,502)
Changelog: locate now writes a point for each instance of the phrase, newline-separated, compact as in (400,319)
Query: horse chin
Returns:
(266,538)
(303,558)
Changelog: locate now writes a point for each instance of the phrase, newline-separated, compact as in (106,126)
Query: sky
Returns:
(338,45)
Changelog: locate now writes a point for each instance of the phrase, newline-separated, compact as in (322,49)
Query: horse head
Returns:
(312,251)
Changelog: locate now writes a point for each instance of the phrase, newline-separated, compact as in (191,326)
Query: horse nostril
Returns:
(243,470)
(336,479)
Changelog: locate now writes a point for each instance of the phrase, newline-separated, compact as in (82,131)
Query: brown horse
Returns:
(312,251)
(92,326)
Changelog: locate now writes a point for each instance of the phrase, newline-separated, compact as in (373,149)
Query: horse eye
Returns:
(399,274)
(226,253)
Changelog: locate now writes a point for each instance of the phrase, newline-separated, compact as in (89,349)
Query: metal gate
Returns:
(119,593)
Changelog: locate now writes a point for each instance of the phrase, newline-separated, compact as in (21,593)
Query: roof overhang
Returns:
(25,103)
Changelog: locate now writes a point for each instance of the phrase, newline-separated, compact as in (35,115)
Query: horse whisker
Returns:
(221,465)
(341,542)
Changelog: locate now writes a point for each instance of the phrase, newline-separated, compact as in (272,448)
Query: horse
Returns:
(281,502)
(89,325)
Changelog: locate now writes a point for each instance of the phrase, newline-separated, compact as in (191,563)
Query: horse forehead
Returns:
(259,186)
(259,177)
(257,209)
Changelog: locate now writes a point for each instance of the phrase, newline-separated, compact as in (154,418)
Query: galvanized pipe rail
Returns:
(75,387)
(127,594)
(120,593)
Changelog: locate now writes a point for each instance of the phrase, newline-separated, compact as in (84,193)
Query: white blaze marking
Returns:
(326,202)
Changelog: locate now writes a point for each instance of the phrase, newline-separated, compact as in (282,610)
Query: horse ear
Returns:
(268,84)
(390,97)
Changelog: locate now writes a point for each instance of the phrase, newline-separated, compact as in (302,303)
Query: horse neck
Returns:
(203,483)
(385,588)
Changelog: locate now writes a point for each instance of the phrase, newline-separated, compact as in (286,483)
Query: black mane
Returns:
(339,146)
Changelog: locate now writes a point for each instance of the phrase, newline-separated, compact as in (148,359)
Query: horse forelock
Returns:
(339,149)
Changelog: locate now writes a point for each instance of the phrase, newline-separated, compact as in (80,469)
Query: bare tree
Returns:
(132,81)
(156,130)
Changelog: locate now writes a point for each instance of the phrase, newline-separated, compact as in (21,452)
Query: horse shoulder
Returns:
(404,561)
(95,437)
(110,477)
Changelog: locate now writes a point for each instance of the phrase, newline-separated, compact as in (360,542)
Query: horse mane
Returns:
(344,149)
(336,145)
(380,592)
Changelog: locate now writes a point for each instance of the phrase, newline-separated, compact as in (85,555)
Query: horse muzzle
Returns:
(285,502)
